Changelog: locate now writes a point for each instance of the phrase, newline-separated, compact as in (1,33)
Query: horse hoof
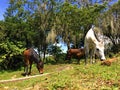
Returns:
(27,75)
(23,74)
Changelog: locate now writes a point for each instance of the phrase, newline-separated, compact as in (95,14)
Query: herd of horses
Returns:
(92,46)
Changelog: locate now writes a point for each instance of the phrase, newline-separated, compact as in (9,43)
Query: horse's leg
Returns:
(91,56)
(94,56)
(26,69)
(86,54)
(86,57)
(26,66)
(78,59)
(69,60)
(30,68)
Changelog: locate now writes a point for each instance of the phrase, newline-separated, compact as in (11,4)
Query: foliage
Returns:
(9,50)
(11,55)
(38,23)
(111,26)
(55,51)
(75,21)
(29,23)
(2,31)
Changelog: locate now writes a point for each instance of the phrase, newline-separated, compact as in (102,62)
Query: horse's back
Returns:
(27,55)
(74,51)
(26,52)
(31,55)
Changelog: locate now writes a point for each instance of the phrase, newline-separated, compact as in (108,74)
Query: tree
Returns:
(55,51)
(15,27)
(111,24)
(2,31)
(76,20)
(44,22)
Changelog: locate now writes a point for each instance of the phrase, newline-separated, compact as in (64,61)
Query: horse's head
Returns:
(100,50)
(40,67)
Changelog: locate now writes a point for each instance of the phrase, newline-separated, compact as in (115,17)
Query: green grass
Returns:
(77,77)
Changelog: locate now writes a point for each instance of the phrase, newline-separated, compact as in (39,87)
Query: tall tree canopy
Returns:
(38,23)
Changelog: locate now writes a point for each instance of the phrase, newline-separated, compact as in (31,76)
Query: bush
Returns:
(13,63)
(116,48)
(59,58)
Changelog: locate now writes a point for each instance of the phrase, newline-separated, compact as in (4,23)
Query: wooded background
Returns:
(41,23)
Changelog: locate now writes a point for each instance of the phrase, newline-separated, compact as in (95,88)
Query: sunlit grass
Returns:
(77,77)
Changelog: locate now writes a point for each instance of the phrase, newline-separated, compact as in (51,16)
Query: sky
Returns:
(3,5)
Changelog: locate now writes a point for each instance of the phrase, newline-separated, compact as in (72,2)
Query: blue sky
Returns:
(4,4)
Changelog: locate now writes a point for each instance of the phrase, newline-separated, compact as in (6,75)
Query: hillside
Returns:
(66,77)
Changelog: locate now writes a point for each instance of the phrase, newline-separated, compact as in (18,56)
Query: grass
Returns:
(77,77)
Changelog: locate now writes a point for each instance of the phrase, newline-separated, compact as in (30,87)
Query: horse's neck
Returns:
(35,57)
(97,35)
(94,36)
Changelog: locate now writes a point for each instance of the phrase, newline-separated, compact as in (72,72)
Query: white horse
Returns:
(93,45)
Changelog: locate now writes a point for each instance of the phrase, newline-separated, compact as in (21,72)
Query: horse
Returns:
(78,53)
(109,61)
(30,56)
(93,45)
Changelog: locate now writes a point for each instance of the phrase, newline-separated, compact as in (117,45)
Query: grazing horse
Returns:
(78,53)
(93,45)
(30,56)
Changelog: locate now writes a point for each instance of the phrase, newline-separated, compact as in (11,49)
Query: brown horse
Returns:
(77,53)
(31,56)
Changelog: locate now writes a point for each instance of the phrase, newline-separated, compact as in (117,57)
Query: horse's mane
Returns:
(35,55)
(97,31)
